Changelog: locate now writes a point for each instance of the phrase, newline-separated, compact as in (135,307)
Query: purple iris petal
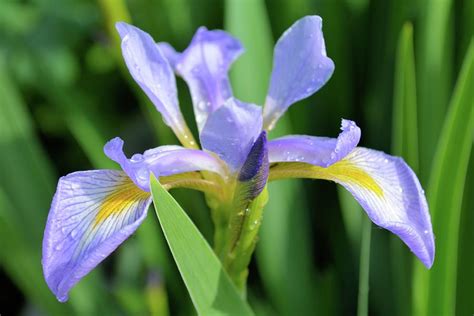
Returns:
(319,151)
(401,207)
(171,55)
(204,65)
(152,72)
(231,130)
(92,213)
(162,161)
(300,67)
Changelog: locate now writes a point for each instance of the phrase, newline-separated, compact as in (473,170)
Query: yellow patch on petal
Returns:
(346,171)
(343,171)
(119,200)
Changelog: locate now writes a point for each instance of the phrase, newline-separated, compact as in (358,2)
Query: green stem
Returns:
(364,269)
(241,238)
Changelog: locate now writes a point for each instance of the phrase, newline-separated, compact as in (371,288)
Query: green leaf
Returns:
(405,129)
(434,60)
(208,284)
(364,269)
(404,144)
(435,290)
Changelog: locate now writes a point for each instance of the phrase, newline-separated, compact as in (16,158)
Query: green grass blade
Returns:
(284,251)
(208,284)
(405,129)
(404,144)
(435,51)
(435,290)
(364,269)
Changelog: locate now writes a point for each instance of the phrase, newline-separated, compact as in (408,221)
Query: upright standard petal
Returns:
(385,187)
(319,151)
(300,67)
(151,71)
(231,130)
(168,51)
(92,213)
(162,161)
(204,66)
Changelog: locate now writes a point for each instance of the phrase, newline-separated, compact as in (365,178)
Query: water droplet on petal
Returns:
(74,233)
(136,158)
(201,105)
(142,174)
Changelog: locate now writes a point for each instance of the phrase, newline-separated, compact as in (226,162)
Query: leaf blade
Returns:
(404,144)
(209,286)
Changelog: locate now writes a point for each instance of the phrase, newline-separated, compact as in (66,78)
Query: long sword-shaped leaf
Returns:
(435,50)
(364,269)
(284,250)
(435,290)
(208,284)
(404,144)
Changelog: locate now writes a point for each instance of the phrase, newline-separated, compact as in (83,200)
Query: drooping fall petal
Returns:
(204,65)
(385,187)
(92,213)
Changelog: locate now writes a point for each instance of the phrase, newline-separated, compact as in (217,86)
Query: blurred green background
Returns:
(404,73)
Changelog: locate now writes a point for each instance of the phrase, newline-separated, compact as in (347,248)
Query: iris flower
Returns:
(93,212)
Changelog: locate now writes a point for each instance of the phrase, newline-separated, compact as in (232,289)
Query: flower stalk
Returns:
(241,240)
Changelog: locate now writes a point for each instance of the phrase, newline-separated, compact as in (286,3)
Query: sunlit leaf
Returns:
(435,78)
(208,284)
(404,144)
